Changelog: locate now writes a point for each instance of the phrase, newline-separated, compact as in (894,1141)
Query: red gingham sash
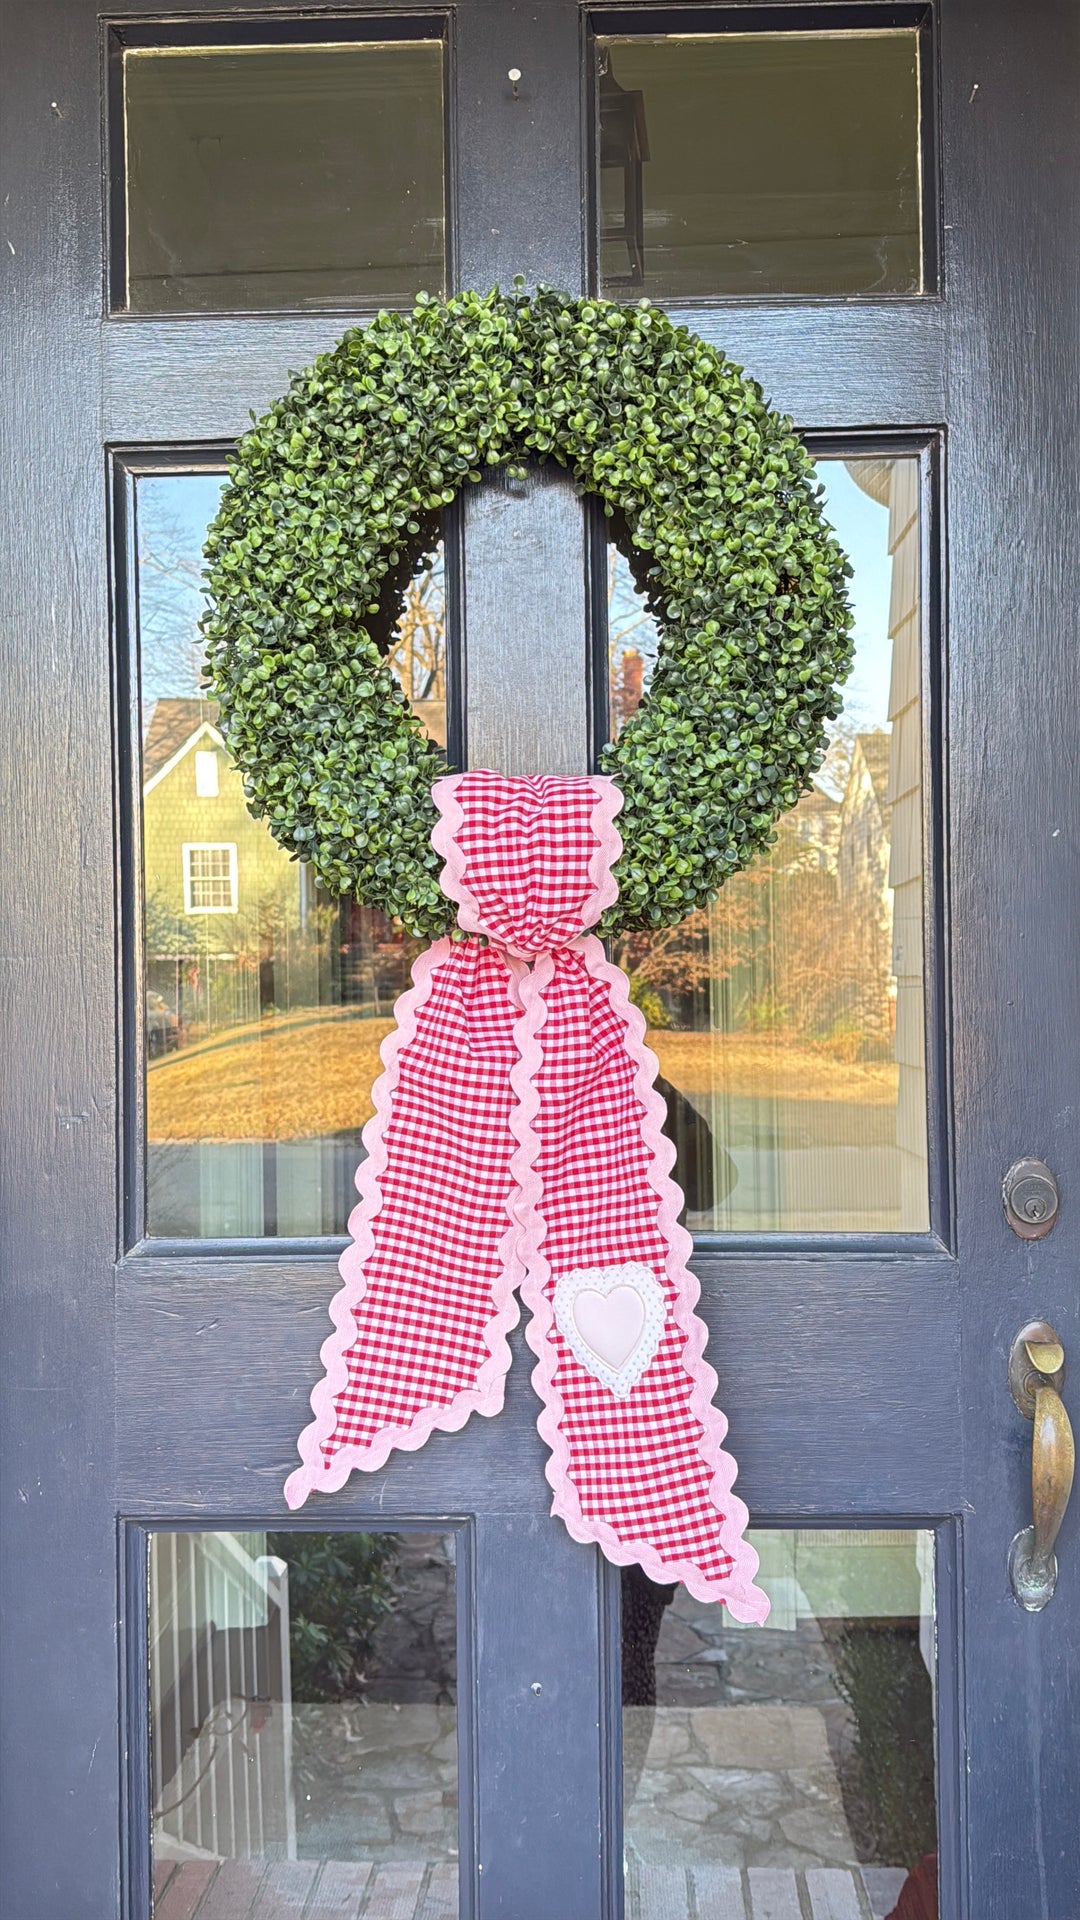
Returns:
(518,1147)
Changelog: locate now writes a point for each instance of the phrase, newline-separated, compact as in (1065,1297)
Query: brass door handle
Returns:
(1036,1376)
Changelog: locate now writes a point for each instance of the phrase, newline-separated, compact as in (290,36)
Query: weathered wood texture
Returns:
(525,626)
(1011,151)
(830,367)
(57,981)
(811,1437)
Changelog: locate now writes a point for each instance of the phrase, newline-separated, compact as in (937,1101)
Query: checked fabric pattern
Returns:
(518,1139)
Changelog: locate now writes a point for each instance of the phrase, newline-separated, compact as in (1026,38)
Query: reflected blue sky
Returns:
(173,512)
(862,528)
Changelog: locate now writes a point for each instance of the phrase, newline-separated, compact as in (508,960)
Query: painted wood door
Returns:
(862,1287)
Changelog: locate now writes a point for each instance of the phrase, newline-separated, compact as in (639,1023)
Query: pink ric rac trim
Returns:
(443,838)
(486,1397)
(609,801)
(744,1600)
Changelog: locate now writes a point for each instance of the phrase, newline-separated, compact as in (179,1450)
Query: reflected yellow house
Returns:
(219,894)
(253,1122)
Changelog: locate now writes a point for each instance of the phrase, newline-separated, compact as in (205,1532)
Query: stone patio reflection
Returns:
(739,1764)
(733,1786)
(375,1782)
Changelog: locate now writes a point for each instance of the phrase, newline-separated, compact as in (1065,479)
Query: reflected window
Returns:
(788,1016)
(786,1769)
(760,163)
(260,177)
(209,872)
(266,999)
(303,1724)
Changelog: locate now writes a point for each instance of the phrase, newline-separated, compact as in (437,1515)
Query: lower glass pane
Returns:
(303,1725)
(785,1770)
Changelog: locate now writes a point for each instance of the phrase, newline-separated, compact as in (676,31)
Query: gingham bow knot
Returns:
(517,1147)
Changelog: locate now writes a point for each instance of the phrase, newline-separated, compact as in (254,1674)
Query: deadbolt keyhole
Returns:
(1031,1198)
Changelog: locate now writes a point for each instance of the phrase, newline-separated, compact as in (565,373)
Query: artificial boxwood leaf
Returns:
(713,494)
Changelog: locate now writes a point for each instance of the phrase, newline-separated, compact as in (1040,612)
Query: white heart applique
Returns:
(612,1319)
(610,1323)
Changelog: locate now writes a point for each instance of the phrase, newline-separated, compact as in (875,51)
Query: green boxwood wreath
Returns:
(330,503)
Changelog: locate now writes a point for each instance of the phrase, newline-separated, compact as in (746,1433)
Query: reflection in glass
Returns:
(263,177)
(788,1017)
(789,1768)
(303,1724)
(266,1000)
(757,163)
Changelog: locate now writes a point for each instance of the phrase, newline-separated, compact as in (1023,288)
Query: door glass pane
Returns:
(296,176)
(788,1016)
(788,1769)
(303,1725)
(760,163)
(266,999)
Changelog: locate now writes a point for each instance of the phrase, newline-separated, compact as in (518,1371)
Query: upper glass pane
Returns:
(788,1016)
(760,163)
(786,1770)
(269,177)
(303,1726)
(266,999)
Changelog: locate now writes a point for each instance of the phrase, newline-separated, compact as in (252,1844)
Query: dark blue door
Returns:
(420,1700)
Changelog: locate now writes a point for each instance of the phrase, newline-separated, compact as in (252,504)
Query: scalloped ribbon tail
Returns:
(639,1466)
(421,1320)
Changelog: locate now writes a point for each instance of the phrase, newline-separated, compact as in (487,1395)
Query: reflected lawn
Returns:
(299,1075)
(784,1065)
(288,1076)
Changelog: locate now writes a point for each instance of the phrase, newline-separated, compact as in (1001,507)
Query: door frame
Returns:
(94,1427)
